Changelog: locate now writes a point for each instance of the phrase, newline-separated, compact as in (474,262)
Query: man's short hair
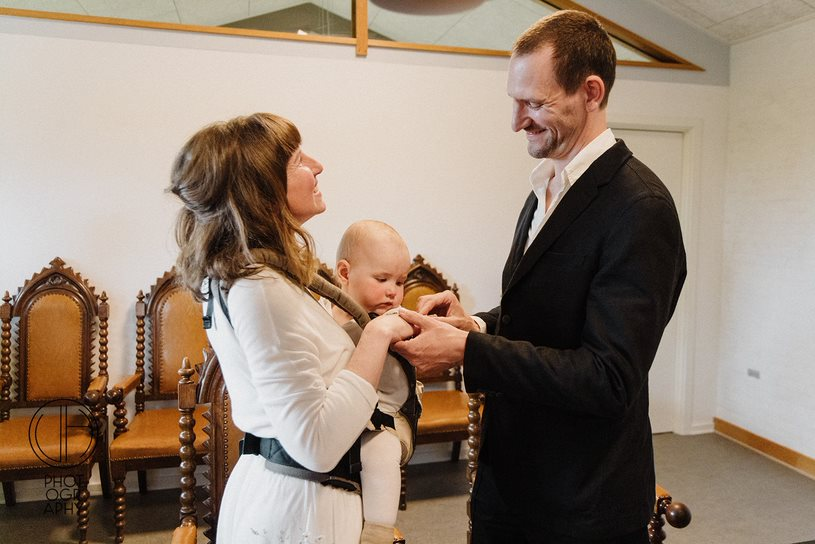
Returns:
(580,47)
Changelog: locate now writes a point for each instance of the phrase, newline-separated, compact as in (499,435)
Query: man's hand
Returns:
(435,347)
(447,306)
(442,304)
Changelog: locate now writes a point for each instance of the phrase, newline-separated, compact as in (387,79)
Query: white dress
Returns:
(283,361)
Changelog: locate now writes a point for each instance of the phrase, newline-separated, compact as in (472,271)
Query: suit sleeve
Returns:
(631,297)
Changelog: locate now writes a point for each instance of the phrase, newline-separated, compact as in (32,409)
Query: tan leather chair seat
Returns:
(161,426)
(19,449)
(443,411)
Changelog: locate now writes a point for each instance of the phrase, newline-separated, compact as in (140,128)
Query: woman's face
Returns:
(304,198)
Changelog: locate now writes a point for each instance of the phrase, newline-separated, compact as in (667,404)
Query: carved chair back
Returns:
(56,316)
(168,323)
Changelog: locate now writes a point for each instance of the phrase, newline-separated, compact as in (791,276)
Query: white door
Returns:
(662,152)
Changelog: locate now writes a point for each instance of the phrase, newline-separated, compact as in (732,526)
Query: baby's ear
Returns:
(343,269)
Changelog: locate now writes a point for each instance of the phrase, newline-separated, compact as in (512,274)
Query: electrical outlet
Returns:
(753,373)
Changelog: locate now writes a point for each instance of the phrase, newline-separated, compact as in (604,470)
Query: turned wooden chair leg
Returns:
(119,507)
(9,494)
(83,500)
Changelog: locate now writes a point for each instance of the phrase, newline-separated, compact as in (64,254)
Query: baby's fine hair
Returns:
(360,232)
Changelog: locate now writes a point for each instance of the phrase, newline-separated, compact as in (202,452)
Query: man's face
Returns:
(553,120)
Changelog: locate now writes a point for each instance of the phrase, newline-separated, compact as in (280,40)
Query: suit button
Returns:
(506,319)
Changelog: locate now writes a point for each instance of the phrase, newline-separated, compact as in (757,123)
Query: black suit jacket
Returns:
(565,362)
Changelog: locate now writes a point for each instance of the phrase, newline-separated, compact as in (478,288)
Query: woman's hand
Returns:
(377,336)
(392,326)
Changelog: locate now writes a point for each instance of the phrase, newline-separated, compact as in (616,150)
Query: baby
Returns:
(372,265)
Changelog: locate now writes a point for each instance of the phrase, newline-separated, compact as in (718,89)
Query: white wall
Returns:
(655,23)
(92,116)
(700,113)
(768,288)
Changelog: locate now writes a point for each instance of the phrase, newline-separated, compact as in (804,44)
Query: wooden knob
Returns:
(677,515)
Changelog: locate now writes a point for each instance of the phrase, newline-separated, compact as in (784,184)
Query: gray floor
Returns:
(736,496)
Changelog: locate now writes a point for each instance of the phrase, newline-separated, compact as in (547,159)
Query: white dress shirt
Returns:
(544,174)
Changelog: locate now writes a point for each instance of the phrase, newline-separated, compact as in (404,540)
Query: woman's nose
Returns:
(313,164)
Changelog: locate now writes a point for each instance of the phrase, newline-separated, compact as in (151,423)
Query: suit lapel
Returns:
(566,212)
(521,234)
(576,200)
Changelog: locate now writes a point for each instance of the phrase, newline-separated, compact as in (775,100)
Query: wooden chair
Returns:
(446,412)
(60,332)
(221,439)
(168,321)
(675,513)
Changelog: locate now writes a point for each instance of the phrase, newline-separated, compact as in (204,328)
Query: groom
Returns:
(592,279)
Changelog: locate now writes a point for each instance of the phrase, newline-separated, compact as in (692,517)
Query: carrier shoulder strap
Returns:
(221,302)
(318,285)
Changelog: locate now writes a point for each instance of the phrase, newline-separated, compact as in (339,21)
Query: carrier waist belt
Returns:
(345,475)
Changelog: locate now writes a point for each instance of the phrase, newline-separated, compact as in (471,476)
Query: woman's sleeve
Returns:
(281,337)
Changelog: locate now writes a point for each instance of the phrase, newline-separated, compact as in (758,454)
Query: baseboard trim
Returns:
(784,455)
(701,428)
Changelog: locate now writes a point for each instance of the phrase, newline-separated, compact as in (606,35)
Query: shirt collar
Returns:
(545,170)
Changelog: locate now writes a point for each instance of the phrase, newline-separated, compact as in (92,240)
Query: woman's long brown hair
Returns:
(231,178)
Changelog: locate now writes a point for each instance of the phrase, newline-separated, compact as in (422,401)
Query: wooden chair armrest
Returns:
(675,513)
(123,388)
(99,383)
(95,394)
(186,533)
(116,396)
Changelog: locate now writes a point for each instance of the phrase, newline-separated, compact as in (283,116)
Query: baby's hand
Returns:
(393,325)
